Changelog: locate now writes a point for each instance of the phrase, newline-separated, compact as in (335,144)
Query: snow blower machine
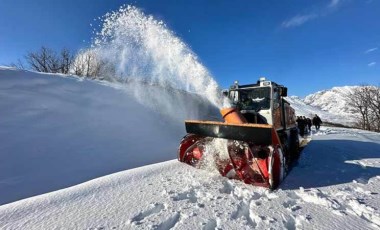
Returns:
(260,128)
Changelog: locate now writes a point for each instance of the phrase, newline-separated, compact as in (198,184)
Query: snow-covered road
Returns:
(335,186)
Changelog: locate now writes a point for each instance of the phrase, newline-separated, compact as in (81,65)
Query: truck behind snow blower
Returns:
(261,133)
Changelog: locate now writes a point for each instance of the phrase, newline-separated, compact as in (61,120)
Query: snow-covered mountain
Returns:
(331,105)
(61,137)
(333,100)
(303,109)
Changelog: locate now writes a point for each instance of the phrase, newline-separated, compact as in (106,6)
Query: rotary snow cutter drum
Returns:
(255,153)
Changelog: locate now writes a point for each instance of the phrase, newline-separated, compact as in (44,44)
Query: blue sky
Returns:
(305,45)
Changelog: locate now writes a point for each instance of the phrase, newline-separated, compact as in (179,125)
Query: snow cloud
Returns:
(371,50)
(371,64)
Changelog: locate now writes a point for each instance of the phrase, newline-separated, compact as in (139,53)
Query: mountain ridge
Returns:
(330,104)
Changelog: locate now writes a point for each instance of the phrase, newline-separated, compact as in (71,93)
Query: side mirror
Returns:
(225,92)
(284,91)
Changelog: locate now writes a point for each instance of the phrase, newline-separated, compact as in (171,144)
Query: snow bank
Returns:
(59,131)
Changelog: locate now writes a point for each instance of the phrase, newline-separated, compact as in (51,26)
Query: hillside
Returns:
(333,101)
(303,109)
(57,131)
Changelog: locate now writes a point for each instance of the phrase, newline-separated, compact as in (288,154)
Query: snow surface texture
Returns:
(335,186)
(56,132)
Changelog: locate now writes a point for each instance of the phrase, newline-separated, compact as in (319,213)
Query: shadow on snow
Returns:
(333,162)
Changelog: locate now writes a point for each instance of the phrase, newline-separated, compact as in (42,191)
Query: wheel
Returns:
(188,151)
(276,168)
(294,145)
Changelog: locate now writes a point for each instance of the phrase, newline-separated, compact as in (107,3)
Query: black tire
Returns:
(294,145)
(286,150)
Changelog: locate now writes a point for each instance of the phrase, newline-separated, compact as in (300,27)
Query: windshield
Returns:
(251,99)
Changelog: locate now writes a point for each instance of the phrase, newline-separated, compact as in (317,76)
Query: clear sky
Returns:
(303,44)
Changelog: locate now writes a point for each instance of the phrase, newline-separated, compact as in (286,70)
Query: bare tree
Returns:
(88,63)
(374,105)
(85,63)
(46,60)
(66,60)
(358,106)
(365,101)
(37,62)
(19,64)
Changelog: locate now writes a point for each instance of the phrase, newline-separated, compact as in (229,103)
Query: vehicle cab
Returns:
(262,103)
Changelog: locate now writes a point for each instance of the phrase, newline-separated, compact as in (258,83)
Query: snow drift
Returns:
(59,131)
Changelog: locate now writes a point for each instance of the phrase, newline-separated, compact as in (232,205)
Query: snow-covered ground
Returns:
(335,186)
(57,132)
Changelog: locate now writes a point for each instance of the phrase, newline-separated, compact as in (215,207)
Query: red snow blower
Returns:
(261,133)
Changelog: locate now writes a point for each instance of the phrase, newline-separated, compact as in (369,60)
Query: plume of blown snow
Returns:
(144,49)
